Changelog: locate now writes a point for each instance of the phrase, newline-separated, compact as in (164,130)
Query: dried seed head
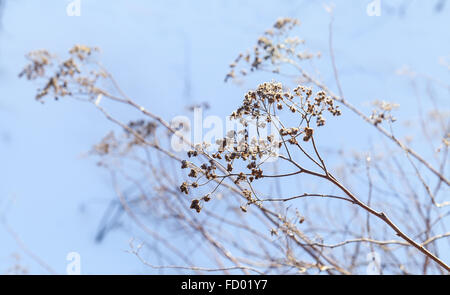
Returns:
(308,133)
(195,204)
(184,188)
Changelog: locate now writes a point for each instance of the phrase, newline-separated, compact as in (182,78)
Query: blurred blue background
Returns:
(166,55)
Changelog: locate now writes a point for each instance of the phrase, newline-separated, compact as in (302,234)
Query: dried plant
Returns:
(229,204)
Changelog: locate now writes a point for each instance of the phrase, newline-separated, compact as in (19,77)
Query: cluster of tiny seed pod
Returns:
(106,145)
(67,77)
(316,106)
(236,147)
(269,95)
(382,112)
(39,61)
(143,128)
(229,151)
(120,145)
(272,48)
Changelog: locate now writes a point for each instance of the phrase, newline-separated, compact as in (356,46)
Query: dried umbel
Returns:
(243,157)
(138,133)
(70,77)
(274,47)
(382,112)
(106,145)
(269,97)
(39,60)
(144,129)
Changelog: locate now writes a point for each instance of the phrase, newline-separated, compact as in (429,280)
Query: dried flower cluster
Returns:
(269,96)
(66,76)
(143,129)
(136,132)
(382,112)
(260,105)
(272,48)
(39,60)
(108,143)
